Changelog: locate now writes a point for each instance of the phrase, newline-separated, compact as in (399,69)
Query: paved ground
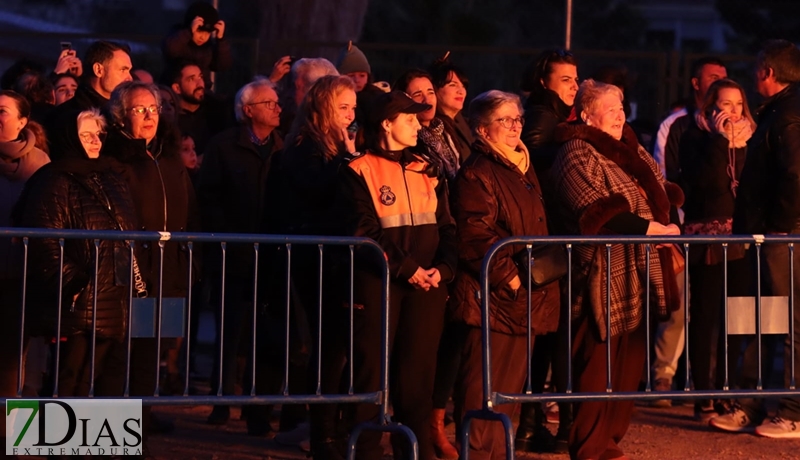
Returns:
(654,434)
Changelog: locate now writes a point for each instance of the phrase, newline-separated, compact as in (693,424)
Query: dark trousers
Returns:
(416,320)
(775,273)
(509,352)
(600,425)
(448,362)
(706,331)
(74,377)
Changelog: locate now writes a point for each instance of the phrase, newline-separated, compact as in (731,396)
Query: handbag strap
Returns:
(138,280)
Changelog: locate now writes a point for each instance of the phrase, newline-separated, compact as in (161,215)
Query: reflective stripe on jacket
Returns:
(403,195)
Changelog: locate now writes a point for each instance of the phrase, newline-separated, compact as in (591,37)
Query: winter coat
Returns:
(494,200)
(232,190)
(19,159)
(68,195)
(389,197)
(164,200)
(541,118)
(460,133)
(768,198)
(704,177)
(598,178)
(309,185)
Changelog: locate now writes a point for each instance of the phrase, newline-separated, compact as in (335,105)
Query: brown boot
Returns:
(441,445)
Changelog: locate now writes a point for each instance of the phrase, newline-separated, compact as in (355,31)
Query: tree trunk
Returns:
(307,28)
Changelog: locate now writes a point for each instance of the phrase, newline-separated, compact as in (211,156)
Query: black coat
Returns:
(768,199)
(494,200)
(67,195)
(233,190)
(541,118)
(460,133)
(309,187)
(704,180)
(164,200)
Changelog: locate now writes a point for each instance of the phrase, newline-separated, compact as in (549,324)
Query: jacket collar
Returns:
(625,153)
(770,103)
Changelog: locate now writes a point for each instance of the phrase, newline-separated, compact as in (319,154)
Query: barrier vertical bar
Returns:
(529,351)
(288,314)
(127,390)
(159,314)
(791,316)
(686,385)
(608,318)
(21,362)
(351,319)
(58,320)
(94,316)
(726,383)
(223,247)
(759,383)
(255,321)
(385,348)
(648,249)
(188,341)
(319,325)
(569,318)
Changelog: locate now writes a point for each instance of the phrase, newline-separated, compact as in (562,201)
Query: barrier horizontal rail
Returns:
(755,243)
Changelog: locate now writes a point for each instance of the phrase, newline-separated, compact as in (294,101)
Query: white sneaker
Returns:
(736,421)
(779,428)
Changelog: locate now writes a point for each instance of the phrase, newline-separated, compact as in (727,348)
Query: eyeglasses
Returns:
(90,137)
(509,123)
(140,110)
(271,105)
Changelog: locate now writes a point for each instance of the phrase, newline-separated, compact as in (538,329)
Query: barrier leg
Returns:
(488,415)
(385,428)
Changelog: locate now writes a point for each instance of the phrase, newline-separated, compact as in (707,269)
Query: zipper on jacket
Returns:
(163,191)
(408,194)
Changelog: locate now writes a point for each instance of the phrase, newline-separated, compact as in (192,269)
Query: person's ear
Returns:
(482,132)
(247,110)
(23,123)
(769,72)
(696,83)
(541,80)
(177,88)
(386,125)
(585,119)
(98,69)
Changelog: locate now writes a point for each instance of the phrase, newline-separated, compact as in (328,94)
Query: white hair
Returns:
(245,95)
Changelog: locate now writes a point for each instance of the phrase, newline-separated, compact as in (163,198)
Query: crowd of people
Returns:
(323,149)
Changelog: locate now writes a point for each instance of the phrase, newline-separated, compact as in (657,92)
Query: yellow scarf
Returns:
(519,156)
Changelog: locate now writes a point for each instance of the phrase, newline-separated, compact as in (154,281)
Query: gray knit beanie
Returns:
(352,60)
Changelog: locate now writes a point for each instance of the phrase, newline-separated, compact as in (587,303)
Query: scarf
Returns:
(518,156)
(737,134)
(20,158)
(441,146)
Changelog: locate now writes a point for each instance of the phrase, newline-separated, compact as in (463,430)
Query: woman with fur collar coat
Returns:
(607,183)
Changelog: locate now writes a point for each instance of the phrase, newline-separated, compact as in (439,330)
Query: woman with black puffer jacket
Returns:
(80,192)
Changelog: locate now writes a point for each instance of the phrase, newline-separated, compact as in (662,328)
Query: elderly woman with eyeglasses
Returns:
(80,191)
(607,183)
(497,195)
(146,151)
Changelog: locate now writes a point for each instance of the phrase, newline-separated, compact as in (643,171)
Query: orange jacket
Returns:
(397,200)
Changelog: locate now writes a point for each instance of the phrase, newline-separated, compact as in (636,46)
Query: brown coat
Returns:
(596,178)
(493,200)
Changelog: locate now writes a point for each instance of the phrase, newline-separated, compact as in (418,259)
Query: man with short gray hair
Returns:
(234,198)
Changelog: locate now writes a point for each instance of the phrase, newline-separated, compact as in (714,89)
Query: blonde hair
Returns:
(713,94)
(316,118)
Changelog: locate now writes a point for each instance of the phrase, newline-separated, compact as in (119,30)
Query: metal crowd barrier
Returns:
(491,398)
(190,240)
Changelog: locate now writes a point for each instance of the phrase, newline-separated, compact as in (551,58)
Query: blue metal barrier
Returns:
(380,397)
(491,399)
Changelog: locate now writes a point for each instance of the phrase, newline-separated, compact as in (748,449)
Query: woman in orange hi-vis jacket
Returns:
(398,199)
